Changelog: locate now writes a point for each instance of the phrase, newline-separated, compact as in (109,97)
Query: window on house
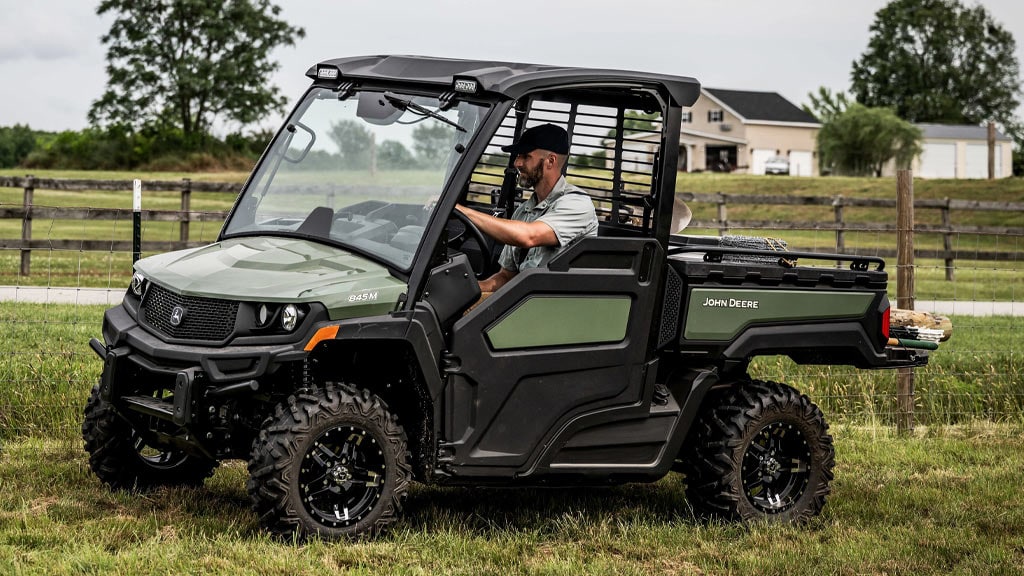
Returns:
(715,116)
(687,117)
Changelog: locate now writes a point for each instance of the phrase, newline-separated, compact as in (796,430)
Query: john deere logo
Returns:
(177,315)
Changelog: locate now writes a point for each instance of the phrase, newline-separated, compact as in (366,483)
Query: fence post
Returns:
(723,215)
(947,241)
(992,150)
(26,225)
(186,206)
(905,290)
(837,207)
(136,220)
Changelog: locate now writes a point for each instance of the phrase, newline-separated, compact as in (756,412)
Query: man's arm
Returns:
(511,232)
(497,280)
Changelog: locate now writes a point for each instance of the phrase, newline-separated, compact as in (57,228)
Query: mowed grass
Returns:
(945,503)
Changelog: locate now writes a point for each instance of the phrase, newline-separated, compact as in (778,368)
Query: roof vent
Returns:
(726,127)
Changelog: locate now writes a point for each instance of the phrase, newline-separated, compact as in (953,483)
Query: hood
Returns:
(273,269)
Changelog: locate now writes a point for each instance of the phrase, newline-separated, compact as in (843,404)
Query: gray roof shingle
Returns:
(762,106)
(958,132)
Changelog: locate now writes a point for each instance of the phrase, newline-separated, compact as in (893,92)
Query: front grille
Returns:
(202,318)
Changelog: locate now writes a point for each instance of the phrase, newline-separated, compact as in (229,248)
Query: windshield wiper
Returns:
(403,104)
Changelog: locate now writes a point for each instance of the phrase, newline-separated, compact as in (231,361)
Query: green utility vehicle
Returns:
(332,335)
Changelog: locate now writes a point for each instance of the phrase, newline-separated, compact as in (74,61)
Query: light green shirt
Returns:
(569,212)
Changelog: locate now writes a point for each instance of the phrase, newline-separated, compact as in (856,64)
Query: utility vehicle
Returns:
(332,335)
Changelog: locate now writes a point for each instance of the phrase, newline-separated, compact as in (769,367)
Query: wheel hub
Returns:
(770,466)
(340,474)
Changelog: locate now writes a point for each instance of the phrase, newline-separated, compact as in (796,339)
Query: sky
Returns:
(52,61)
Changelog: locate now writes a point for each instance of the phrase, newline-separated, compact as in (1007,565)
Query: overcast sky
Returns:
(52,61)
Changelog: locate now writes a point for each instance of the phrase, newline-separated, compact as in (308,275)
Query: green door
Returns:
(553,345)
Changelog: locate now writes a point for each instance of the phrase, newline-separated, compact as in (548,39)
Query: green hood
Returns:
(271,269)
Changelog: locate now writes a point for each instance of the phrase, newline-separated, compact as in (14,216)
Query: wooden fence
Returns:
(185,216)
(28,211)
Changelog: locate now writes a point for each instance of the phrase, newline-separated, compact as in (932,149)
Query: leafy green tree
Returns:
(432,142)
(185,63)
(860,141)
(16,142)
(939,61)
(826,105)
(354,143)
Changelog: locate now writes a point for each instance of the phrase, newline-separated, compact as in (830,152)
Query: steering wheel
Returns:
(460,230)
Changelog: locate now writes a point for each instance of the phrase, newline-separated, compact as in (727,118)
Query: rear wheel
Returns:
(761,450)
(120,456)
(332,463)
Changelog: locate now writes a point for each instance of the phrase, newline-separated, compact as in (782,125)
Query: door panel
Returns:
(553,344)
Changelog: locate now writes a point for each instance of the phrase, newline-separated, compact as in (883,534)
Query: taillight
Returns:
(885,323)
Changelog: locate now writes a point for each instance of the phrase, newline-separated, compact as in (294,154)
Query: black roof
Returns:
(506,78)
(763,106)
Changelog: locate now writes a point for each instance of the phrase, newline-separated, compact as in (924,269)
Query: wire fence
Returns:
(82,265)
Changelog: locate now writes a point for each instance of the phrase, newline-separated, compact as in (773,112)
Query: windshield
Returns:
(361,170)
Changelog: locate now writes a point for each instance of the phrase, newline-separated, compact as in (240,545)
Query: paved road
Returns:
(42,294)
(111,297)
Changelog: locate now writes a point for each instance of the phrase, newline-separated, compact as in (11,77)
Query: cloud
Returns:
(43,32)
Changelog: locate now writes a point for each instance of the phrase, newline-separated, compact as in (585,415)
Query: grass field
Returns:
(946,500)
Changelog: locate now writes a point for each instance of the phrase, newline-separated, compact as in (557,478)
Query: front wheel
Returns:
(120,456)
(761,450)
(331,462)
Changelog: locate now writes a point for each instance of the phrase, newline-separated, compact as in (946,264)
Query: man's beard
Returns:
(530,178)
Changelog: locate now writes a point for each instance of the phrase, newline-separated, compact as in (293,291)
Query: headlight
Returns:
(289,317)
(138,283)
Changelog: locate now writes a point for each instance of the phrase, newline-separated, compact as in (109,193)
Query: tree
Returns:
(433,142)
(939,61)
(825,105)
(393,155)
(182,64)
(861,140)
(16,142)
(354,143)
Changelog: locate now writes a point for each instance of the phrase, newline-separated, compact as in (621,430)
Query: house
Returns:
(958,151)
(739,130)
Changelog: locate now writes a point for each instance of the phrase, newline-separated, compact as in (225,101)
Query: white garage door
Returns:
(938,161)
(801,163)
(977,161)
(758,159)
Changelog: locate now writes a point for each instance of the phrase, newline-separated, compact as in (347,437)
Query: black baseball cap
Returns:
(544,137)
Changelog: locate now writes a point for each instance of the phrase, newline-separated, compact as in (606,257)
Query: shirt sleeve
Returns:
(571,216)
(507,259)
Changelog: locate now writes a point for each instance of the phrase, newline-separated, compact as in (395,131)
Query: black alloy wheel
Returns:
(342,476)
(776,468)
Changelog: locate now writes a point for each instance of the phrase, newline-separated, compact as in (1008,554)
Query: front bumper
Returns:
(136,363)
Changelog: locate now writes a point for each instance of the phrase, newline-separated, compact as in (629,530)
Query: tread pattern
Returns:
(282,443)
(713,455)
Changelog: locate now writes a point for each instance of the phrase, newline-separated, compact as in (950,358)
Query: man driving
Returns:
(557,214)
